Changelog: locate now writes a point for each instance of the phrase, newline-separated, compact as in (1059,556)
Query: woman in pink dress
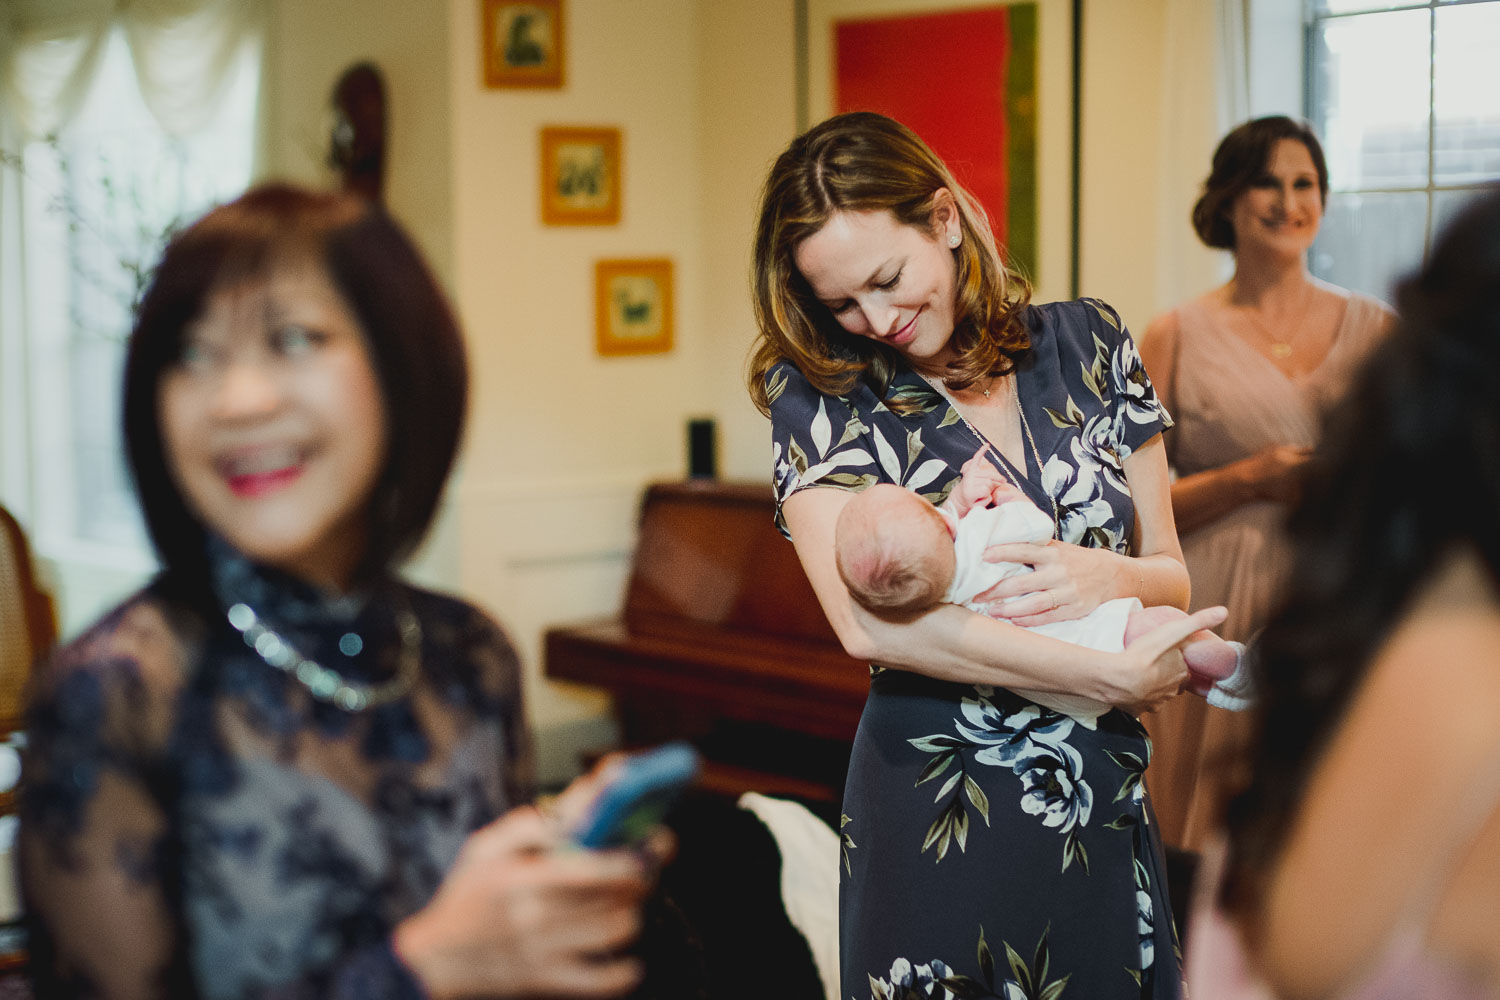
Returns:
(1248,370)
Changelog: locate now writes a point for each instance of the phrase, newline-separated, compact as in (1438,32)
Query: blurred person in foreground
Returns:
(1364,855)
(279,770)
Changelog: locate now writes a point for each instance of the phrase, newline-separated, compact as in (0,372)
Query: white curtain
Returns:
(1206,92)
(186,56)
(182,49)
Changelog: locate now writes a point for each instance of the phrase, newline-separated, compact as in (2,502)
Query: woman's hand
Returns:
(1277,473)
(523,914)
(1069,582)
(1151,670)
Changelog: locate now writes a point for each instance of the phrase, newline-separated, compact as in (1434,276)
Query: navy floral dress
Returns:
(194,824)
(993,847)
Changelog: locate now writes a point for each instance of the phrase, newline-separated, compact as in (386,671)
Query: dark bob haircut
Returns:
(1242,156)
(413,339)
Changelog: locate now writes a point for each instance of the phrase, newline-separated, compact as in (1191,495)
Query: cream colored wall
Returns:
(309,44)
(308,47)
(747,54)
(1138,181)
(562,441)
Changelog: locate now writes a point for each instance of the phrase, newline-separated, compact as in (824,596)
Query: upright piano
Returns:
(722,642)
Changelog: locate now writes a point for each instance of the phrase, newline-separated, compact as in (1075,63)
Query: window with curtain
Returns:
(1404,96)
(114,130)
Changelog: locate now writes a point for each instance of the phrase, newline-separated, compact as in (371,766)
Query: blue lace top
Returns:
(195,824)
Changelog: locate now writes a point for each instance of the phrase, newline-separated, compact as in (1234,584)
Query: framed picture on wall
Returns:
(633,306)
(523,43)
(580,176)
(1002,112)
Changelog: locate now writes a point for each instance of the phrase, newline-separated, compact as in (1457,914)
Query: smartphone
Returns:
(637,792)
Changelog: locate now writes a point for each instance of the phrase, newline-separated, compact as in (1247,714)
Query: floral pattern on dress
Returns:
(935,980)
(957,786)
(1033,744)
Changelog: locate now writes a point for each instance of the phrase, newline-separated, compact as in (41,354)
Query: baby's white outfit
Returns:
(1102,629)
(1021,521)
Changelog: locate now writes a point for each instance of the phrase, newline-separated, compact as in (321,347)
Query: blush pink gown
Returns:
(1231,402)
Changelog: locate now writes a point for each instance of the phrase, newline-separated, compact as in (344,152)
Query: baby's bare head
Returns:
(894,551)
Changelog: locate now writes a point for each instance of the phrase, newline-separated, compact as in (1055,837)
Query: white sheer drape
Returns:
(182,49)
(1206,91)
(117,117)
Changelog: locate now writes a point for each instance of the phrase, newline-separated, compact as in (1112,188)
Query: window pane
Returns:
(1370,96)
(1447,204)
(1368,240)
(1467,94)
(123,185)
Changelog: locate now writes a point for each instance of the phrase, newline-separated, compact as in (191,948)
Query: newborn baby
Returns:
(898,554)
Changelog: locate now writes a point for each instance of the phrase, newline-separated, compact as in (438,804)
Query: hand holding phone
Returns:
(636,793)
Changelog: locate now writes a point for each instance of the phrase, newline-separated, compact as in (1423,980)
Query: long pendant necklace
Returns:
(328,685)
(989,446)
(1282,347)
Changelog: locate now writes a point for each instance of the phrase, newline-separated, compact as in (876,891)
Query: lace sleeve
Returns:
(99,851)
(500,675)
(95,840)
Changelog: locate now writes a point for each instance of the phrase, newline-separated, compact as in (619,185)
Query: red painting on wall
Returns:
(965,81)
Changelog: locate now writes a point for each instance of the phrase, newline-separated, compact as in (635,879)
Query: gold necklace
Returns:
(328,685)
(989,446)
(1282,347)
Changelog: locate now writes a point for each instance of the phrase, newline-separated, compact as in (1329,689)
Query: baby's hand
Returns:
(1004,492)
(980,485)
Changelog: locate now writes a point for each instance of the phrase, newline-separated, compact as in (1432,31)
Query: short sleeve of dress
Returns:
(816,440)
(1136,412)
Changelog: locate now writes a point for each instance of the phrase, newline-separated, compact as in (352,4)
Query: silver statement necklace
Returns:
(329,685)
(989,446)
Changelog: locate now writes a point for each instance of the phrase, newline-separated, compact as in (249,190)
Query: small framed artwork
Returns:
(633,306)
(580,176)
(523,43)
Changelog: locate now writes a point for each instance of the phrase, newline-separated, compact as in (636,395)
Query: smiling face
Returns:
(273,423)
(1280,211)
(890,282)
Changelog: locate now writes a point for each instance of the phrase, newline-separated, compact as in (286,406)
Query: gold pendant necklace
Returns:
(1282,347)
(989,446)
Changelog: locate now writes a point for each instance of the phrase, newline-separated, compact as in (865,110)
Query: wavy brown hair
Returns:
(862,162)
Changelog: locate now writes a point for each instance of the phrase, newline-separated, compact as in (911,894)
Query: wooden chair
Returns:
(28,625)
(28,628)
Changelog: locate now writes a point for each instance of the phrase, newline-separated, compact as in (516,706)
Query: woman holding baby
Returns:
(894,342)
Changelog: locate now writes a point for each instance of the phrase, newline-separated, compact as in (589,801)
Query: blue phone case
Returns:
(637,796)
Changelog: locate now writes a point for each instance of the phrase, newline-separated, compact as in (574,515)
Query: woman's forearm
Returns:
(1206,496)
(1158,580)
(952,643)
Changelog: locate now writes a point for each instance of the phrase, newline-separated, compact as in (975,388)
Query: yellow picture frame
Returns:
(580,176)
(633,306)
(524,43)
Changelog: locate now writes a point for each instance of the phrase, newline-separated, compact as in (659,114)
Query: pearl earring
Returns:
(953,240)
